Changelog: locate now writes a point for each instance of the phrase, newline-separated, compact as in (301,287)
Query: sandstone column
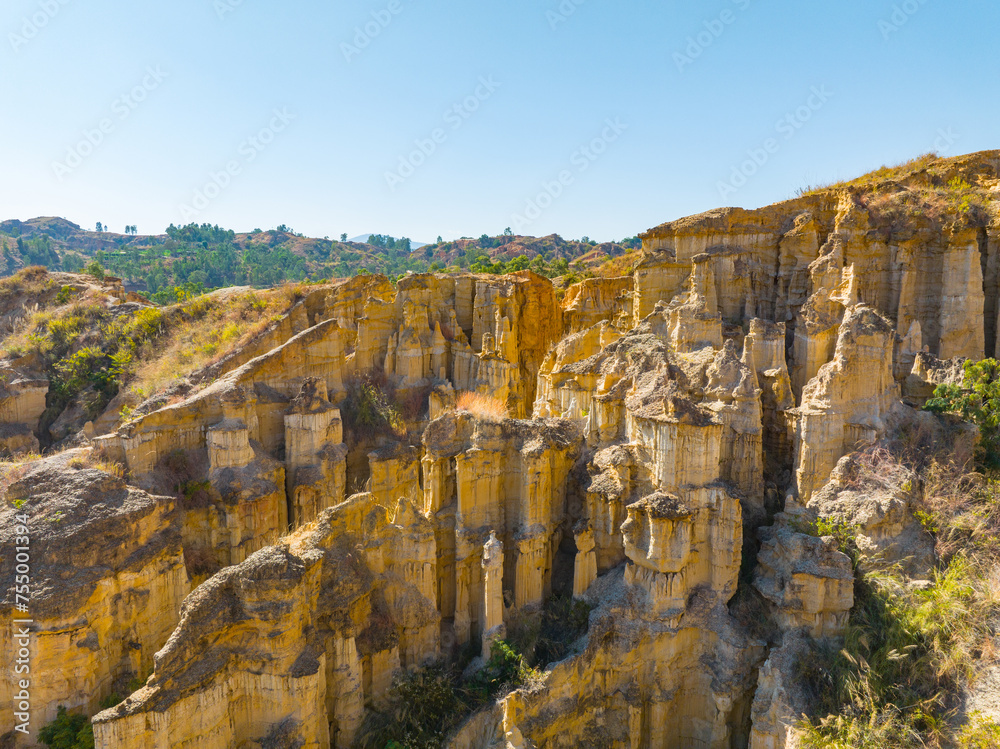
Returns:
(345,680)
(493,628)
(585,568)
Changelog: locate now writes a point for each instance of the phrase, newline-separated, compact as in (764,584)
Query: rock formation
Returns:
(106,578)
(348,515)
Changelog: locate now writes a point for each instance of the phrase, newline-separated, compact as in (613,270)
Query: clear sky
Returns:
(419,118)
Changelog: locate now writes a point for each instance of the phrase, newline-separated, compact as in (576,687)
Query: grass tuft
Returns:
(911,649)
(485,407)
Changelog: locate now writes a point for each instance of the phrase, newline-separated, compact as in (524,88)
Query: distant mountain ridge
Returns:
(185,260)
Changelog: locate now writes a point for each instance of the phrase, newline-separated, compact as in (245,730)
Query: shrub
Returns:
(68,731)
(424,705)
(503,672)
(417,713)
(545,636)
(94,269)
(198,561)
(904,650)
(979,733)
(185,472)
(908,650)
(370,410)
(65,294)
(976,400)
(485,407)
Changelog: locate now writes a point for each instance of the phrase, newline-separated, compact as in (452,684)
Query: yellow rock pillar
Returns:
(585,567)
(493,626)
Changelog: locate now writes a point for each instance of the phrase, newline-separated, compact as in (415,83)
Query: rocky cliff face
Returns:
(106,577)
(669,440)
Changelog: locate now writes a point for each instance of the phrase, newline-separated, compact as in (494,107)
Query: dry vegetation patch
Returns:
(485,407)
(910,650)
(203,331)
(92,350)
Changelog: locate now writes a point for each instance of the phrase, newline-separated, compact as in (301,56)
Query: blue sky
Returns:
(417,118)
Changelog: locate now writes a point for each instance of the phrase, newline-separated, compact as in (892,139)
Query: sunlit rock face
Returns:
(658,445)
(106,577)
(22,403)
(848,400)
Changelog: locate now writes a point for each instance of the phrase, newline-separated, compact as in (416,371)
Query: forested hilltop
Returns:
(187,260)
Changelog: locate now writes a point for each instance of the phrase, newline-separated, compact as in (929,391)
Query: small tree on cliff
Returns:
(977,400)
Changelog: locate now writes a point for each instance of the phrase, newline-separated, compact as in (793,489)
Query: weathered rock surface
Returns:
(106,579)
(808,581)
(667,428)
(300,635)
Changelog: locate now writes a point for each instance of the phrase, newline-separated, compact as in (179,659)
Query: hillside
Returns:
(194,258)
(743,493)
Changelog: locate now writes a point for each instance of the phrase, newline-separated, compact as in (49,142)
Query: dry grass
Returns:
(898,207)
(876,467)
(927,187)
(204,331)
(965,511)
(98,459)
(883,174)
(623,265)
(909,651)
(12,470)
(485,407)
(30,331)
(31,281)
(85,346)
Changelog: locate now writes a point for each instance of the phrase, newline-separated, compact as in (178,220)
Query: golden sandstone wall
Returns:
(107,578)
(665,429)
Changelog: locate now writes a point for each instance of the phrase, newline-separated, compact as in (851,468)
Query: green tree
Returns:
(518,263)
(95,269)
(343,237)
(68,731)
(977,400)
(72,263)
(100,227)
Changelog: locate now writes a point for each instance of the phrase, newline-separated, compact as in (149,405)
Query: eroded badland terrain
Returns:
(697,505)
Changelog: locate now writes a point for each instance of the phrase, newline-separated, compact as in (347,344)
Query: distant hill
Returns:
(363,238)
(187,260)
